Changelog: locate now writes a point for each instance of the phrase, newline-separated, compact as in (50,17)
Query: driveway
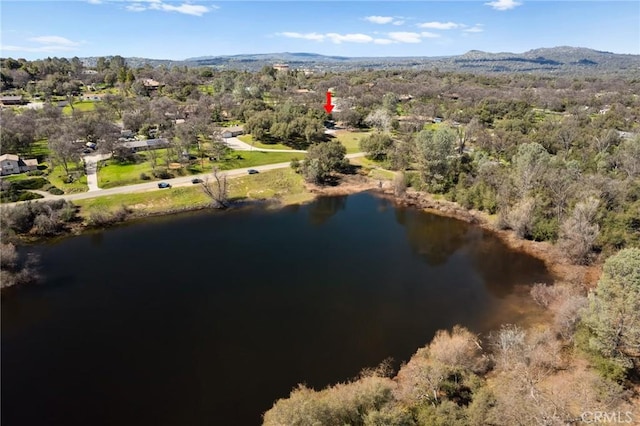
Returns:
(91,166)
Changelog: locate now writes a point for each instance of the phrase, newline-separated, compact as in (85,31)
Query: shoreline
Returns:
(558,266)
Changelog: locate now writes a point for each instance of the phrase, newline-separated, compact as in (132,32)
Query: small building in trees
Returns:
(12,100)
(281,67)
(146,144)
(11,164)
(232,132)
(151,84)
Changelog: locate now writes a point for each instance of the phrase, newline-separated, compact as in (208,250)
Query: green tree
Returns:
(434,151)
(613,314)
(376,145)
(322,160)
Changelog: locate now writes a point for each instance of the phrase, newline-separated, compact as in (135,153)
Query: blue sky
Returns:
(169,29)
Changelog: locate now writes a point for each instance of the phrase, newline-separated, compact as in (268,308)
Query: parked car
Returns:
(196,180)
(252,171)
(164,185)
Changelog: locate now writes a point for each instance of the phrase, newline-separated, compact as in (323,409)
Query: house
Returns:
(232,132)
(127,133)
(281,67)
(12,100)
(11,163)
(151,84)
(146,144)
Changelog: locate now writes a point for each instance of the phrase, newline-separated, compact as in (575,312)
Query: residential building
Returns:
(11,164)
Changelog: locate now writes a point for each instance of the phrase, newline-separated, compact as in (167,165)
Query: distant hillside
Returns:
(556,60)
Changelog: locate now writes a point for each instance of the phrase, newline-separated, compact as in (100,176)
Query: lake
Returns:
(209,317)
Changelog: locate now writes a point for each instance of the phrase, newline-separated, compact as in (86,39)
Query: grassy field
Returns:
(257,158)
(112,174)
(350,139)
(82,106)
(56,178)
(249,139)
(283,184)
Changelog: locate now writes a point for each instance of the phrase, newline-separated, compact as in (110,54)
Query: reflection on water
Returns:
(208,318)
(324,208)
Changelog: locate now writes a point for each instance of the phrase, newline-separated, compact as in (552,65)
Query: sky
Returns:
(180,29)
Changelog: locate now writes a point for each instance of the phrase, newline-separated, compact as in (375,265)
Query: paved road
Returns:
(153,186)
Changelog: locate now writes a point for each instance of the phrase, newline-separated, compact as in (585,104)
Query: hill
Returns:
(556,60)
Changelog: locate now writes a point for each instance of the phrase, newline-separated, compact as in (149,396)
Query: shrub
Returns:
(26,196)
(45,224)
(144,176)
(56,191)
(67,213)
(102,217)
(34,183)
(162,174)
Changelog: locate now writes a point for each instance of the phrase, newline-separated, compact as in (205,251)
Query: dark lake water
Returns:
(208,318)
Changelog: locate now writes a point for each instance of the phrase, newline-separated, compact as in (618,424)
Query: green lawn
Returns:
(15,178)
(56,178)
(257,158)
(284,184)
(38,149)
(81,106)
(256,144)
(147,202)
(350,139)
(112,174)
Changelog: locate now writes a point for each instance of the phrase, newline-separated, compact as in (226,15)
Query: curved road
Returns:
(153,186)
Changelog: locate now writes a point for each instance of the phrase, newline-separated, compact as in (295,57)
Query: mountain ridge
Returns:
(560,59)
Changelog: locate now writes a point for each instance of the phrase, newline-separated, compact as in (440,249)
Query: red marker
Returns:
(328,106)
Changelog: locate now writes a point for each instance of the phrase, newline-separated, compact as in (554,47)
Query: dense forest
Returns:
(555,158)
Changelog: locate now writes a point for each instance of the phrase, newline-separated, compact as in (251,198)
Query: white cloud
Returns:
(391,38)
(94,1)
(440,25)
(135,7)
(475,29)
(333,37)
(54,40)
(349,38)
(45,44)
(427,34)
(400,22)
(185,8)
(307,36)
(503,4)
(379,19)
(405,37)
(37,49)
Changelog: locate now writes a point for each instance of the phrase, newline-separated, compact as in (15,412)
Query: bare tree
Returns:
(579,231)
(64,150)
(380,119)
(217,189)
